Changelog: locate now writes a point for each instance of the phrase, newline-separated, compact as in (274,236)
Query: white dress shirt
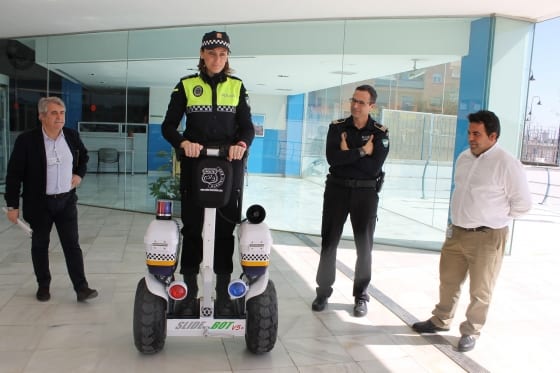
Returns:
(59,164)
(490,190)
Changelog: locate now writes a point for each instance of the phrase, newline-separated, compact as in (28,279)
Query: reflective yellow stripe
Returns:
(160,263)
(254,264)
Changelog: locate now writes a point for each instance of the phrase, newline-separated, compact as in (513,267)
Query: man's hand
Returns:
(368,146)
(343,144)
(236,152)
(76,180)
(191,149)
(13,215)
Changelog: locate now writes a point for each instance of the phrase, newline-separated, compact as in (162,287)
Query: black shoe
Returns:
(86,293)
(466,343)
(360,308)
(427,327)
(224,307)
(186,307)
(320,303)
(43,294)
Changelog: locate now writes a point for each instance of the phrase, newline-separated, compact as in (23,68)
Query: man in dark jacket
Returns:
(49,162)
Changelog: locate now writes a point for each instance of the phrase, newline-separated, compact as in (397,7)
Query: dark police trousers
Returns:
(361,204)
(63,213)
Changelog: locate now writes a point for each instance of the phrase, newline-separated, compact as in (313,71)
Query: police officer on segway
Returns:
(217,114)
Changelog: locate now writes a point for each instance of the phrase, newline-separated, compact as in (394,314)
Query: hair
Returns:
(489,119)
(369,89)
(45,101)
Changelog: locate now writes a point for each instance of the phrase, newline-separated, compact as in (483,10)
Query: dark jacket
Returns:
(28,166)
(349,164)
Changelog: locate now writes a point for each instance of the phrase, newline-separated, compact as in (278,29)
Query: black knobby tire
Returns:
(150,320)
(261,328)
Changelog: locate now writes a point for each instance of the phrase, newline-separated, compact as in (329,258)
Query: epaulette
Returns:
(380,127)
(338,121)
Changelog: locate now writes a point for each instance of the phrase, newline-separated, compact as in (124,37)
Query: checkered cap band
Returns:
(214,43)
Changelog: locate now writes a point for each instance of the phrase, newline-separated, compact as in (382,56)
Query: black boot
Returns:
(224,305)
(189,305)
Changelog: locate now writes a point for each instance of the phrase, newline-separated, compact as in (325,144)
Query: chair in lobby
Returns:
(108,155)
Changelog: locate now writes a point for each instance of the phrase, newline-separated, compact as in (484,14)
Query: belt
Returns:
(352,183)
(59,195)
(482,228)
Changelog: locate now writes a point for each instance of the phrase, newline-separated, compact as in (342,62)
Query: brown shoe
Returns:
(86,293)
(466,343)
(43,294)
(427,327)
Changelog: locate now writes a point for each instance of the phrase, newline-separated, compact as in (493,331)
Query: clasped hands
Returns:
(368,146)
(192,150)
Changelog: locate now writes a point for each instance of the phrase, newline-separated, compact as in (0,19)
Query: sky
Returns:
(546,71)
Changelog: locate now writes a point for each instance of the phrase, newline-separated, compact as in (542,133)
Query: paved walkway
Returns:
(63,336)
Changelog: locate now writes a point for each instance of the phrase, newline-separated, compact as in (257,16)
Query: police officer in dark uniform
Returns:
(217,113)
(356,150)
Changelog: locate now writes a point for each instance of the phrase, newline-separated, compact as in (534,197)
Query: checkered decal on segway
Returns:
(252,259)
(160,259)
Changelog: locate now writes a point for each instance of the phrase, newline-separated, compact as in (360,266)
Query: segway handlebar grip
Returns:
(212,151)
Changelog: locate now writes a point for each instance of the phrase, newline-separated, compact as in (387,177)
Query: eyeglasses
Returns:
(359,102)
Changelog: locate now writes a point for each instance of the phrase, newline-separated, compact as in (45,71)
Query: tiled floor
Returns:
(65,336)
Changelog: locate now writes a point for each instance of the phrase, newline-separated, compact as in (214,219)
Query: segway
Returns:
(253,294)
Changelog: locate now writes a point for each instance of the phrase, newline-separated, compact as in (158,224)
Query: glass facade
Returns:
(299,76)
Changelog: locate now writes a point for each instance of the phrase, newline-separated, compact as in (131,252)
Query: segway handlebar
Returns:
(213,151)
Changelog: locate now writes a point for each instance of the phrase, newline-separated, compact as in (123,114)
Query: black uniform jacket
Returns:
(28,166)
(209,128)
(349,164)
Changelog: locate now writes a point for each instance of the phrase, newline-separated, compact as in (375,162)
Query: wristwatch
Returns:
(362,152)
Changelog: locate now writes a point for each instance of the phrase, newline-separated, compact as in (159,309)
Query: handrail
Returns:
(547,186)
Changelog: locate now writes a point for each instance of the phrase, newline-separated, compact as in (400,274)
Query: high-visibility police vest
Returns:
(199,95)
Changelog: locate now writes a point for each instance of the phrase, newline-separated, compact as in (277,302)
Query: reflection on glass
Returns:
(117,86)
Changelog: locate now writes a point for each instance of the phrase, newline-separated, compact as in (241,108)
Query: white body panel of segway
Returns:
(161,242)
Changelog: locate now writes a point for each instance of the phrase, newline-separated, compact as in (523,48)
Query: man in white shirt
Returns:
(490,190)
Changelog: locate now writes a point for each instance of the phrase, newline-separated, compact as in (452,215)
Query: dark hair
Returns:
(489,119)
(369,89)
